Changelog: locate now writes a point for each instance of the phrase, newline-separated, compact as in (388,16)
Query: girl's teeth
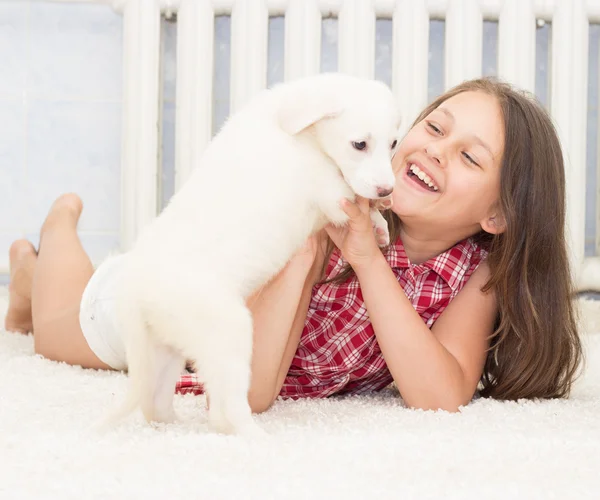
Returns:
(423,176)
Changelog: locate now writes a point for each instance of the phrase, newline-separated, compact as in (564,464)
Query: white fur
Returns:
(274,174)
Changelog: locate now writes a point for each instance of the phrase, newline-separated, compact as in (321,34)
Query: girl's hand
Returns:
(356,240)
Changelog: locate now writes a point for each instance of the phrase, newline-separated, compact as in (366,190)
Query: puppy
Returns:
(271,177)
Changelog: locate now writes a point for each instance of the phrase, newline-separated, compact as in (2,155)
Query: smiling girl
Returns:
(473,294)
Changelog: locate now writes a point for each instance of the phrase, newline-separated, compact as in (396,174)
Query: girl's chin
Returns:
(403,203)
(407,209)
(404,212)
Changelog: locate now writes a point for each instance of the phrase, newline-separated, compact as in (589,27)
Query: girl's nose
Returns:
(434,153)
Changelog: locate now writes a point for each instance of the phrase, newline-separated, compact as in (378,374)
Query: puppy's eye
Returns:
(394,144)
(361,146)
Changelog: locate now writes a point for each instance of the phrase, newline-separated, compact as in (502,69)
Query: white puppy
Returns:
(274,174)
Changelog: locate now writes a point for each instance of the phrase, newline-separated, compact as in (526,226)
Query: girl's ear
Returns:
(494,224)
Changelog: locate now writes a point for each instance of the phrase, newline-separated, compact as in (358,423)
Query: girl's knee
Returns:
(66,346)
(43,345)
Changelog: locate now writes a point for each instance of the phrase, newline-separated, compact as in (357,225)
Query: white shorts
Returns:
(97,315)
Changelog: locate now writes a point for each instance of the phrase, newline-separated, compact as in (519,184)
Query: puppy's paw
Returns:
(380,226)
(253,431)
(381,203)
(167,416)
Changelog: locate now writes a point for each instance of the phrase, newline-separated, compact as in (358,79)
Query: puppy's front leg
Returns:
(333,211)
(379,222)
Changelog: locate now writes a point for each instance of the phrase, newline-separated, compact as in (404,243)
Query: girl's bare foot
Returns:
(65,207)
(22,257)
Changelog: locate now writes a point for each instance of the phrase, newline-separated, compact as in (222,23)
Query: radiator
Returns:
(517,21)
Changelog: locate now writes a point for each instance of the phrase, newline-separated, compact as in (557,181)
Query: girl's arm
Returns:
(438,368)
(433,369)
(278,312)
(314,275)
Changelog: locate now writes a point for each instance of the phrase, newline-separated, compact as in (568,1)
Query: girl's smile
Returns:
(419,177)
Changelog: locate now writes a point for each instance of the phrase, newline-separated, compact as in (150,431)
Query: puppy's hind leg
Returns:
(157,405)
(153,366)
(153,370)
(225,362)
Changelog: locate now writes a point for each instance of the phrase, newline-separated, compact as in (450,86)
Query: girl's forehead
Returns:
(473,103)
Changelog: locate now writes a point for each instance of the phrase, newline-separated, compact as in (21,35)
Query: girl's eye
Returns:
(469,159)
(361,146)
(434,128)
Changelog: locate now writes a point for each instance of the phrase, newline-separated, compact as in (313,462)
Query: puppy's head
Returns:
(356,123)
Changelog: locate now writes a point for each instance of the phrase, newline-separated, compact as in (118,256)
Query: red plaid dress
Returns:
(338,352)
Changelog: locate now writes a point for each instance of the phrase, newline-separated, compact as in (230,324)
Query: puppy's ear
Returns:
(298,112)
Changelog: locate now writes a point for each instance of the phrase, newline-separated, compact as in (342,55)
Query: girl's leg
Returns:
(60,274)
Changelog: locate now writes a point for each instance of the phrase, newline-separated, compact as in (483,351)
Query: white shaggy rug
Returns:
(362,447)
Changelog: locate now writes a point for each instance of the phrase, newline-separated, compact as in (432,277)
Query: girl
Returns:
(473,293)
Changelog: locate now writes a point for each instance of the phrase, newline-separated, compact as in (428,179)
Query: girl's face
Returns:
(448,167)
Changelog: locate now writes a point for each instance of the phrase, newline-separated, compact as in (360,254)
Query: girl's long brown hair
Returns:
(535,350)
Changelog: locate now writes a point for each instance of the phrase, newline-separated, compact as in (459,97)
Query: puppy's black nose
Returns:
(384,191)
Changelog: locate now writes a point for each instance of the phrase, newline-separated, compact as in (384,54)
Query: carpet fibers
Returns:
(359,447)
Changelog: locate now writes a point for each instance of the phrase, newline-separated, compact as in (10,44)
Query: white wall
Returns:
(60,117)
(60,108)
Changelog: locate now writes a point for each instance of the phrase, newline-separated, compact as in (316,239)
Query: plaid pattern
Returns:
(338,352)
